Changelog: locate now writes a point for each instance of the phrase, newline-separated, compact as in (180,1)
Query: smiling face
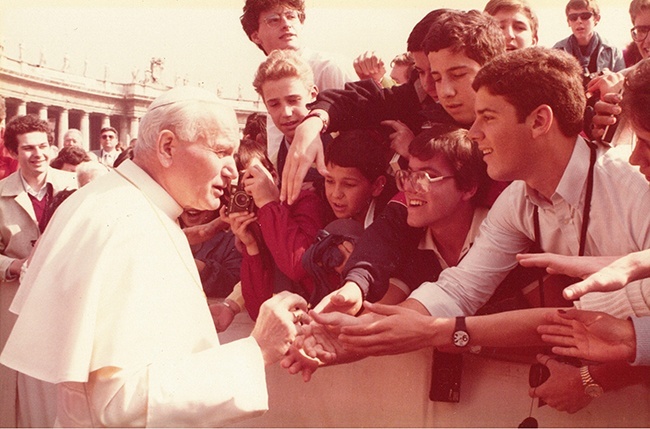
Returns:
(582,29)
(503,140)
(286,101)
(434,208)
(349,192)
(279,28)
(516,28)
(33,154)
(453,73)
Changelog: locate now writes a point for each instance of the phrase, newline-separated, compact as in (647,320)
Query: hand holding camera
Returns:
(260,184)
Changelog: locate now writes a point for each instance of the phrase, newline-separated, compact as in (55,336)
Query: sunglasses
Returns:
(584,16)
(107,137)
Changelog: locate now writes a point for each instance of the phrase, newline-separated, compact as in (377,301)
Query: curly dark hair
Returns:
(250,20)
(20,125)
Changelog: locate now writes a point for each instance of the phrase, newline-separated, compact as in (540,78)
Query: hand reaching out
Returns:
(589,335)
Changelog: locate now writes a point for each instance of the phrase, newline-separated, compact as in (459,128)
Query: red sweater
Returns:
(288,230)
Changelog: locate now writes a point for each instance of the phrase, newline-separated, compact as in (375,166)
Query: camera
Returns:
(240,201)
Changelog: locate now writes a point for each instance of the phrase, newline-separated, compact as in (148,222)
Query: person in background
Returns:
(217,259)
(110,146)
(73,137)
(591,50)
(69,158)
(401,68)
(517,20)
(639,48)
(8,164)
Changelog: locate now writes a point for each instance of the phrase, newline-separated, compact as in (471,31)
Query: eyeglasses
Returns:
(420,181)
(584,16)
(640,32)
(108,136)
(275,19)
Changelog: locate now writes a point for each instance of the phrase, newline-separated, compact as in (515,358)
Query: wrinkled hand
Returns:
(563,390)
(572,266)
(369,66)
(222,315)
(589,335)
(305,149)
(347,299)
(401,138)
(276,327)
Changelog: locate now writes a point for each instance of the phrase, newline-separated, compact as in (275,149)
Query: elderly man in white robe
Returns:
(111,308)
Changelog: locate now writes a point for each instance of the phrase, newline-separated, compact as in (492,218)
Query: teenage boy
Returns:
(570,190)
(277,24)
(24,196)
(475,36)
(517,20)
(592,51)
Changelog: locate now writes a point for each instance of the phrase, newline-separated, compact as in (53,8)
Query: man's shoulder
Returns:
(10,185)
(62,179)
(562,44)
(614,166)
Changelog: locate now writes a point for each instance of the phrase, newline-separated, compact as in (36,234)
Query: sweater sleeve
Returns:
(289,230)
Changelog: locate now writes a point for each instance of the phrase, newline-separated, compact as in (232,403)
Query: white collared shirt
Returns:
(619,224)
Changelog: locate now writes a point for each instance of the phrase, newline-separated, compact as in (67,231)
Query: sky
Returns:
(203,41)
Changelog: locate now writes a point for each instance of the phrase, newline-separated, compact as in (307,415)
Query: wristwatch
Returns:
(592,389)
(324,117)
(460,338)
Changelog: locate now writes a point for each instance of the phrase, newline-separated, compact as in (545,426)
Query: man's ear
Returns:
(540,120)
(378,186)
(469,194)
(313,93)
(165,147)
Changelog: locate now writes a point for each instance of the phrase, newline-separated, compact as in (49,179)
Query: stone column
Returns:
(22,108)
(42,113)
(135,128)
(84,127)
(124,132)
(63,126)
(106,121)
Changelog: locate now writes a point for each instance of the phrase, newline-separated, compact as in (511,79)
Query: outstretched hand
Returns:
(589,267)
(589,335)
(347,299)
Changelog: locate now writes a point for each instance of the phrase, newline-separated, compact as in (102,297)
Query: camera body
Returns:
(240,201)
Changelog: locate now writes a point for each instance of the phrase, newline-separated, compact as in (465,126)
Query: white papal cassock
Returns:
(111,309)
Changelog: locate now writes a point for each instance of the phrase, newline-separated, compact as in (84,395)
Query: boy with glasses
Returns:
(640,46)
(277,24)
(592,51)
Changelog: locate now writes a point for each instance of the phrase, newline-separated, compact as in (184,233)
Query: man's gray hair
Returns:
(190,113)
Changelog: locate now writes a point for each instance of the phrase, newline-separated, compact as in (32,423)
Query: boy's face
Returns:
(33,154)
(641,154)
(286,101)
(582,26)
(349,192)
(279,28)
(643,19)
(516,28)
(453,73)
(423,68)
(435,207)
(504,142)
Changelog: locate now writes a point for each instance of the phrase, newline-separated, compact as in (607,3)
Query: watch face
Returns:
(593,390)
(461,338)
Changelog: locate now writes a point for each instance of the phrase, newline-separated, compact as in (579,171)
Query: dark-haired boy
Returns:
(24,196)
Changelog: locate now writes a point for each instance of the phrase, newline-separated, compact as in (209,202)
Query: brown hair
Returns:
(250,20)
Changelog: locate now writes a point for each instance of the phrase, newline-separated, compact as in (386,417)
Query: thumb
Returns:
(390,123)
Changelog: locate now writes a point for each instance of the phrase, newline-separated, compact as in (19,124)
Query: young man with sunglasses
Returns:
(592,51)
